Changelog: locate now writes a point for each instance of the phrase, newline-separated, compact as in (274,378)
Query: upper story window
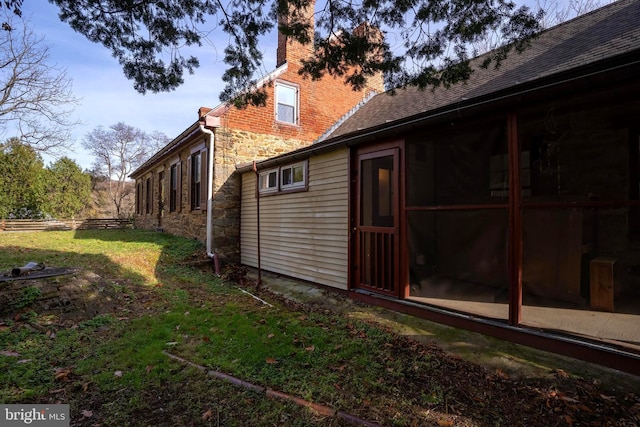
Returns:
(286,103)
(283,179)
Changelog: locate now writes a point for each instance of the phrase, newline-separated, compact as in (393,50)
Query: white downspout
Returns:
(210,160)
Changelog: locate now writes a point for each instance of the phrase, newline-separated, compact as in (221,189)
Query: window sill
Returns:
(287,124)
(287,191)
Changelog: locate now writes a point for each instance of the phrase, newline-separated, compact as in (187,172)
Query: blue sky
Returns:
(107,97)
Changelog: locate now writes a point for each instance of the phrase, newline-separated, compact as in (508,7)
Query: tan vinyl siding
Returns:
(304,234)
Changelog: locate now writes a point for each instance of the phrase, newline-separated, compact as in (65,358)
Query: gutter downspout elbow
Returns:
(212,255)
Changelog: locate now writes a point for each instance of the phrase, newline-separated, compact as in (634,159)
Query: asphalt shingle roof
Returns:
(604,33)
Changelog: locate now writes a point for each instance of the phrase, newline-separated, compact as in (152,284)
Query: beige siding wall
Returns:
(302,235)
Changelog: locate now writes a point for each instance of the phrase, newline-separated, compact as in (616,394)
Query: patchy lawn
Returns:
(136,330)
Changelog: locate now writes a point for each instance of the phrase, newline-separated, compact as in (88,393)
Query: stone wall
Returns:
(183,222)
(232,147)
(248,134)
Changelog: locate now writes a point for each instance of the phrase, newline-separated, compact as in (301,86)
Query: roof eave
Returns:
(168,150)
(629,59)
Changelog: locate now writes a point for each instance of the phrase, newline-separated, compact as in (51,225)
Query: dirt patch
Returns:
(63,296)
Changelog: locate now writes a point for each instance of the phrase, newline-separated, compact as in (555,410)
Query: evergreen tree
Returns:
(68,189)
(21,181)
(149,38)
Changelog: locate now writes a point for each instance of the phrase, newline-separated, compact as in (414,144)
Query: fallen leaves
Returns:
(62,374)
(207,415)
(9,353)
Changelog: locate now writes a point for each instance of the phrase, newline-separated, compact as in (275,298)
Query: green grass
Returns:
(320,357)
(114,366)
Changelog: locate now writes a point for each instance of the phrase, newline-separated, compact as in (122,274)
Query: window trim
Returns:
(293,184)
(264,175)
(296,106)
(279,187)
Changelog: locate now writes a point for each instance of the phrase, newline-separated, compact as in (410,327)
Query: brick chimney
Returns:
(375,36)
(290,50)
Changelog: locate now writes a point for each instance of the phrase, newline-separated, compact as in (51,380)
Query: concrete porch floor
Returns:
(515,360)
(609,327)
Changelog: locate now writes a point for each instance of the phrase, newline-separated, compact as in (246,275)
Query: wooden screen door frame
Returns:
(376,221)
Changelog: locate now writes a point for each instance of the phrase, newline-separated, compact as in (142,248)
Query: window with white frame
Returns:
(286,103)
(291,177)
(268,181)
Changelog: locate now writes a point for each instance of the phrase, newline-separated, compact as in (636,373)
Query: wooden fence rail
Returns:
(57,225)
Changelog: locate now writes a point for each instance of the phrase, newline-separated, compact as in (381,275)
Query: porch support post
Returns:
(515,222)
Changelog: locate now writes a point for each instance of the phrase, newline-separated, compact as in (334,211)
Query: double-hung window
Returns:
(291,177)
(287,104)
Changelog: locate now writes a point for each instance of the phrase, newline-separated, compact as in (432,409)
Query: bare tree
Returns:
(550,12)
(557,12)
(118,151)
(35,97)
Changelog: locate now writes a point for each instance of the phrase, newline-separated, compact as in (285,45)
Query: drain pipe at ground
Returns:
(211,151)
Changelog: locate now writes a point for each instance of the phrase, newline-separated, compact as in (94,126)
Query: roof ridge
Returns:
(611,3)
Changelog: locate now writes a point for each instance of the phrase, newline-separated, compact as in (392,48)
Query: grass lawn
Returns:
(98,340)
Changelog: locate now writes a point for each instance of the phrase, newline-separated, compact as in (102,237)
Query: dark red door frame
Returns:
(591,352)
(393,148)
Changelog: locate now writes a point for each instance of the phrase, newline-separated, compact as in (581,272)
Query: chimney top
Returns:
(290,50)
